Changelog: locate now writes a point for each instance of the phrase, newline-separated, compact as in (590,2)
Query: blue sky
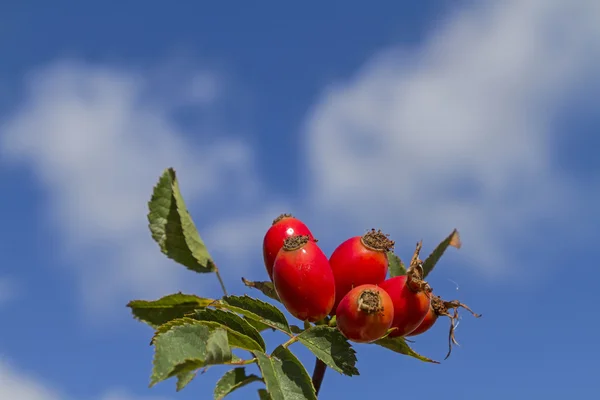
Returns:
(415,118)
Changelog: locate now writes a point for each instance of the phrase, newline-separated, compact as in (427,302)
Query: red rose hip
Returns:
(303,279)
(365,313)
(411,297)
(431,317)
(360,260)
(283,227)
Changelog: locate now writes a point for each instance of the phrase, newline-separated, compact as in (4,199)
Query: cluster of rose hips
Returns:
(351,285)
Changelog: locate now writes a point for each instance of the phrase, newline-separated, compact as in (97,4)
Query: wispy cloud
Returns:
(97,138)
(119,394)
(455,133)
(19,385)
(458,133)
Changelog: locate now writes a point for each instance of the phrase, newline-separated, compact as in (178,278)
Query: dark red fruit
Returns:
(431,317)
(303,279)
(365,313)
(412,299)
(283,227)
(360,260)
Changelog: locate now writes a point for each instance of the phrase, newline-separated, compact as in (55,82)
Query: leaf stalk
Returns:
(220,281)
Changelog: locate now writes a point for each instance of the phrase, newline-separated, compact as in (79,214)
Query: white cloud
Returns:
(458,132)
(98,141)
(16,384)
(453,134)
(120,394)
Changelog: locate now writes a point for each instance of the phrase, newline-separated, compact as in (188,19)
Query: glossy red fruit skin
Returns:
(358,325)
(429,320)
(353,264)
(304,282)
(410,307)
(287,226)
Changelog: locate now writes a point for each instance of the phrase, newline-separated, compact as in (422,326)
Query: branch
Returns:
(318,375)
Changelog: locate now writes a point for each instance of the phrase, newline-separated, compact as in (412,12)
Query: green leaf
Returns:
(388,332)
(232,380)
(259,326)
(172,226)
(171,324)
(266,287)
(396,266)
(234,359)
(331,347)
(452,240)
(257,310)
(285,376)
(185,348)
(167,308)
(398,345)
(263,394)
(183,379)
(240,333)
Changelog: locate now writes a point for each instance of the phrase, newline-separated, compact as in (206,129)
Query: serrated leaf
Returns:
(172,226)
(235,360)
(263,394)
(399,345)
(266,287)
(240,333)
(171,324)
(259,326)
(292,366)
(167,308)
(285,376)
(331,347)
(452,240)
(183,379)
(257,310)
(185,348)
(232,380)
(235,338)
(395,265)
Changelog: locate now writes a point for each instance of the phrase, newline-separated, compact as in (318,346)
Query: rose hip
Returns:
(411,296)
(365,313)
(283,227)
(360,260)
(303,279)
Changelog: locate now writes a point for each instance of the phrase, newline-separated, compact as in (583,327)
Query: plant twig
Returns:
(243,362)
(220,280)
(293,339)
(318,374)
